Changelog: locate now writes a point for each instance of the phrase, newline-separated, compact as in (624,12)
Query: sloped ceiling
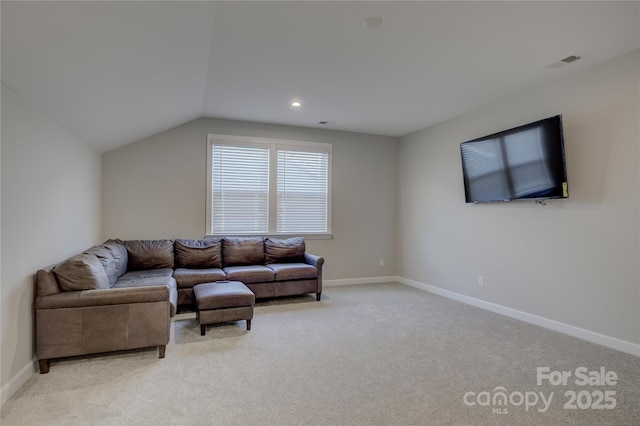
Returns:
(115,72)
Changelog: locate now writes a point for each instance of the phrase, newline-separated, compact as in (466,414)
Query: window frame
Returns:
(273,145)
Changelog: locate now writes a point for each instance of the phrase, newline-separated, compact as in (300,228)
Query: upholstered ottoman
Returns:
(223,301)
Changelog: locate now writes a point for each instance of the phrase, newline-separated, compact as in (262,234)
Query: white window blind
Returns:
(302,191)
(260,186)
(240,189)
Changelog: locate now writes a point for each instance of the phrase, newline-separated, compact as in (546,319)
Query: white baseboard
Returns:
(28,370)
(17,381)
(352,281)
(580,333)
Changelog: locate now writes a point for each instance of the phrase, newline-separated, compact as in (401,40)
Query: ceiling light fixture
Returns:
(296,104)
(373,21)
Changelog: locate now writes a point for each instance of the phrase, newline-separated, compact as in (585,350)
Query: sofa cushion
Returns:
(238,251)
(108,262)
(249,274)
(293,271)
(229,294)
(119,253)
(81,272)
(144,274)
(187,278)
(149,254)
(152,277)
(205,253)
(290,250)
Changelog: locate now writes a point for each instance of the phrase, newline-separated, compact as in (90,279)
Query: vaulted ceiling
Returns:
(115,72)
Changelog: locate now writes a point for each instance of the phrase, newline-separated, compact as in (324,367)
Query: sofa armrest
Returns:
(316,261)
(313,260)
(101,297)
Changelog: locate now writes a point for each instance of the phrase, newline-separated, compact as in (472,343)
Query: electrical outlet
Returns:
(381,262)
(480,280)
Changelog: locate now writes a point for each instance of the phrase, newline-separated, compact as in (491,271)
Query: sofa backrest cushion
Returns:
(120,255)
(46,282)
(198,254)
(238,251)
(107,260)
(81,272)
(284,251)
(149,254)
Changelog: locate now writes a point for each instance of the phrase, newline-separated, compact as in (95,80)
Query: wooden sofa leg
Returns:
(318,295)
(44,366)
(161,350)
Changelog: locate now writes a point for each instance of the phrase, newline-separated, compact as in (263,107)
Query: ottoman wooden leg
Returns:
(202,329)
(248,324)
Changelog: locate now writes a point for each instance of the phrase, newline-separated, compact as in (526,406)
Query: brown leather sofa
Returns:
(269,267)
(121,295)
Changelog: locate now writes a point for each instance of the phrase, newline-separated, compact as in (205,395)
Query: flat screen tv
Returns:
(523,163)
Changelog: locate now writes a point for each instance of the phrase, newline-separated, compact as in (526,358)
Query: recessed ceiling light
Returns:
(296,104)
(373,21)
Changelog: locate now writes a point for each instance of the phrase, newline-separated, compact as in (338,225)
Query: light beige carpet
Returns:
(383,354)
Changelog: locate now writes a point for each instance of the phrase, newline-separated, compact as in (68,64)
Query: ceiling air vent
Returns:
(562,62)
(570,59)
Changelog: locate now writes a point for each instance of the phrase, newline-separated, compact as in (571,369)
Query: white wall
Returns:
(155,188)
(50,210)
(574,261)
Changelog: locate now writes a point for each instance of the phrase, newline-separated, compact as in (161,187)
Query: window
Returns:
(240,182)
(268,187)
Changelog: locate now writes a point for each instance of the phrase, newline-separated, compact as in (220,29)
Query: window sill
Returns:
(314,236)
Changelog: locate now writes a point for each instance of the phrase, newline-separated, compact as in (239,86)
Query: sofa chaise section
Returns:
(90,304)
(87,323)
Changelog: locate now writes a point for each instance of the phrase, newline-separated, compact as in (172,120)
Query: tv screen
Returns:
(523,163)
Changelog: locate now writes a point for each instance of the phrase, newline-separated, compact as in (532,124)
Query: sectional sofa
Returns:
(121,294)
